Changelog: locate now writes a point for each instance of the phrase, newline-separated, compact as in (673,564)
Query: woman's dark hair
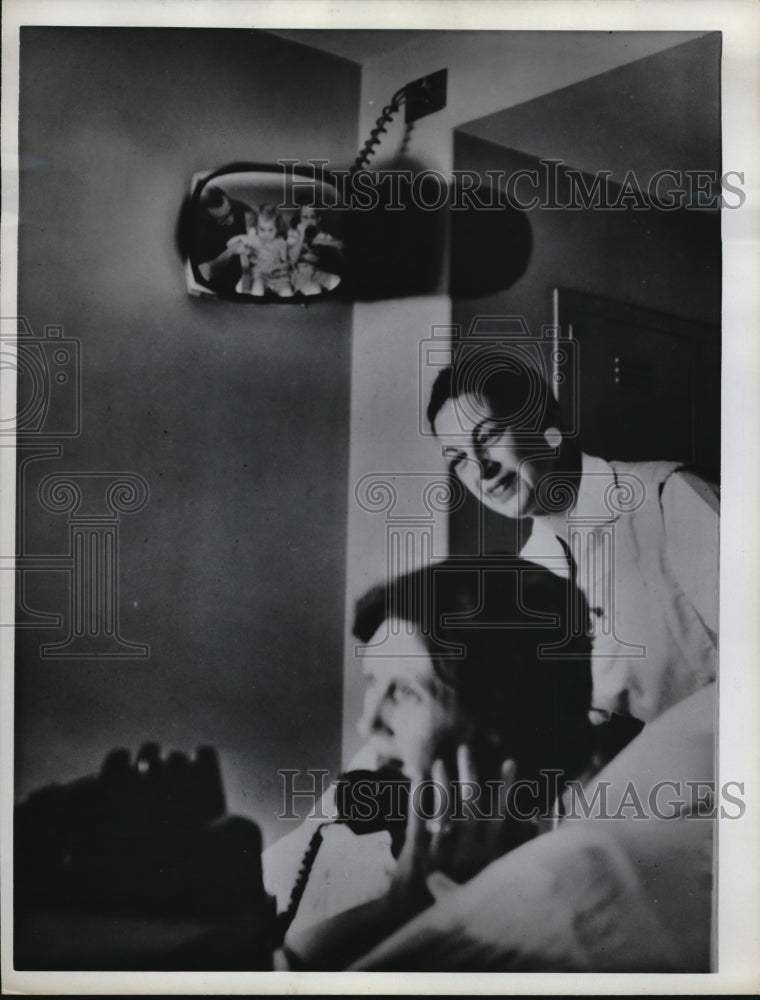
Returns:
(513,396)
(516,394)
(511,639)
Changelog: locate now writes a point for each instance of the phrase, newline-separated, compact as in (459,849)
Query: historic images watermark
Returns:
(374,799)
(49,412)
(550,185)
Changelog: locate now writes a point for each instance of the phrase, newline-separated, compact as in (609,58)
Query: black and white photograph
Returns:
(379,455)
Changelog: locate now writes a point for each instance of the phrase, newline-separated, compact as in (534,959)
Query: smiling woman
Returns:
(501,433)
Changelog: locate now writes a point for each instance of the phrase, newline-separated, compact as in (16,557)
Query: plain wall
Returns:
(619,120)
(236,415)
(659,260)
(669,261)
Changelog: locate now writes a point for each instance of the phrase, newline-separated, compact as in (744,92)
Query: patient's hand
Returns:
(475,829)
(478,828)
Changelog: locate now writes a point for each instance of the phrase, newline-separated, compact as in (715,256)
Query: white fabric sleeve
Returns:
(691,512)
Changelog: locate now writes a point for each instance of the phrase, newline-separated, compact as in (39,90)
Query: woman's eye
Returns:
(487,435)
(404,692)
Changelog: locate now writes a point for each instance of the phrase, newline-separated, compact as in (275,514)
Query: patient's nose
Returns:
(371,719)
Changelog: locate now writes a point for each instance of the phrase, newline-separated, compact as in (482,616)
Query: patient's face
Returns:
(410,716)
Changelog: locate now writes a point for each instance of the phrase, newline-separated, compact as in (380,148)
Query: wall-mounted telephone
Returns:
(367,802)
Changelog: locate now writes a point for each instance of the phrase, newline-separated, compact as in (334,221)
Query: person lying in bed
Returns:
(474,675)
(625,883)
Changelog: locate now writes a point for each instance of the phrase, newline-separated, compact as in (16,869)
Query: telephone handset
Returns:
(371,801)
(367,802)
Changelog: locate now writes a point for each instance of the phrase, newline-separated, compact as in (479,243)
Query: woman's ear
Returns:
(553,437)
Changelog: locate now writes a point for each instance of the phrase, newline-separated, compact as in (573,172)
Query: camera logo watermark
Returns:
(49,412)
(49,370)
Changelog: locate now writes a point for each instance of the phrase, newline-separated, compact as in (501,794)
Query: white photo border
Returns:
(738,896)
